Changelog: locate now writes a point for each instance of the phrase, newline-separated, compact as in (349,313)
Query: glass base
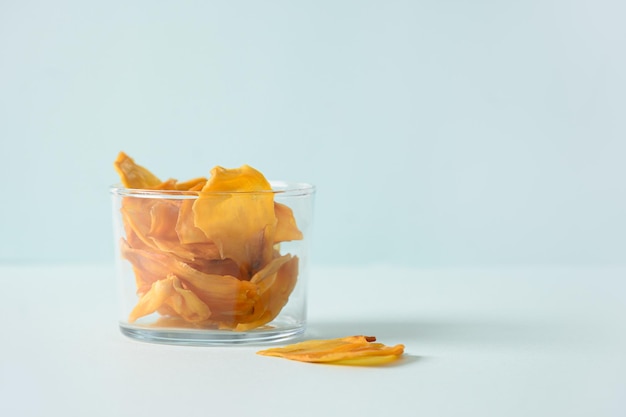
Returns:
(196,337)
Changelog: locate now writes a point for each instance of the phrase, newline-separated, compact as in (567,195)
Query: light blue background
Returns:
(439,133)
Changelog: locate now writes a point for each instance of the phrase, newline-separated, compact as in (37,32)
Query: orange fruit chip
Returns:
(235,210)
(244,178)
(286,228)
(274,284)
(224,294)
(192,184)
(133,175)
(170,292)
(351,350)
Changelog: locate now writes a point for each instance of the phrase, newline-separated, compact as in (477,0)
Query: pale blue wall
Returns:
(439,133)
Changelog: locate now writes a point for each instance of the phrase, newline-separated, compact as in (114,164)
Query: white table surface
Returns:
(493,342)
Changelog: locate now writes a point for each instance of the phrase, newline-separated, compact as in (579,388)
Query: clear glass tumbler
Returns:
(213,268)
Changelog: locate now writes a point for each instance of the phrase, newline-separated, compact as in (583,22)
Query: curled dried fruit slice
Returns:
(170,292)
(352,350)
(286,228)
(136,176)
(274,284)
(151,223)
(235,210)
(191,185)
(225,295)
(133,175)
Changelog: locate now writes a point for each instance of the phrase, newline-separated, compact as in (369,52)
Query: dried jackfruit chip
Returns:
(191,185)
(136,176)
(352,350)
(153,223)
(170,292)
(274,284)
(286,228)
(235,210)
(240,179)
(226,295)
(133,175)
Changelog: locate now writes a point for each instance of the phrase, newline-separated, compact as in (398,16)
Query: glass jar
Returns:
(212,268)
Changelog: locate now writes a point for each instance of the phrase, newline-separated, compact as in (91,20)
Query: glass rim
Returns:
(285,188)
